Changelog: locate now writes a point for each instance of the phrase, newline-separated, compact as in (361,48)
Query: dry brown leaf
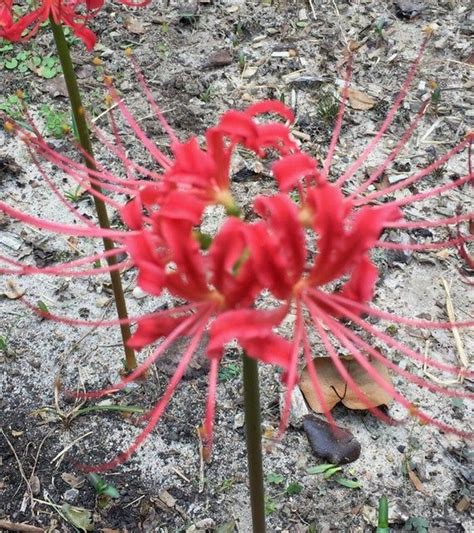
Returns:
(336,390)
(463,504)
(135,26)
(416,482)
(360,100)
(13,292)
(73,481)
(331,384)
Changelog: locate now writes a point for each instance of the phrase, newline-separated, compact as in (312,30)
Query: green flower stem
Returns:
(84,139)
(382,525)
(253,430)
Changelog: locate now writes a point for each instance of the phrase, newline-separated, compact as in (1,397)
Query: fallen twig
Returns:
(26,528)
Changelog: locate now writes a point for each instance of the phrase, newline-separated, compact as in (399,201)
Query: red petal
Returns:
(253,330)
(271,106)
(292,168)
(151,329)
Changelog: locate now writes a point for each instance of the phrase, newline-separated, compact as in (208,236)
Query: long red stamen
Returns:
(73,210)
(151,101)
(420,382)
(65,266)
(159,408)
(200,319)
(422,324)
(32,271)
(190,308)
(418,176)
(393,154)
(211,403)
(318,318)
(389,341)
(64,229)
(313,375)
(438,245)
(388,119)
(87,177)
(292,371)
(429,223)
(338,124)
(128,163)
(157,154)
(387,387)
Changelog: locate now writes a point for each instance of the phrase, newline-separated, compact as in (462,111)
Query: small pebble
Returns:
(71,495)
(332,443)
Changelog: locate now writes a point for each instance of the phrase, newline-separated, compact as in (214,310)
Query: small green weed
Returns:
(12,106)
(327,108)
(104,491)
(293,489)
(270,505)
(207,95)
(226,484)
(26,60)
(417,524)
(229,372)
(42,309)
(329,470)
(57,123)
(163,50)
(274,478)
(73,196)
(242,61)
(380,24)
(382,523)
(3,343)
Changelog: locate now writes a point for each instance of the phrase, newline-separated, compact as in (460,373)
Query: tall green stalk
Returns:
(253,431)
(84,139)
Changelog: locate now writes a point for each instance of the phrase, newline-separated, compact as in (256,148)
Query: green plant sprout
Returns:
(207,95)
(382,524)
(74,195)
(274,478)
(327,108)
(42,307)
(329,470)
(293,489)
(3,343)
(102,488)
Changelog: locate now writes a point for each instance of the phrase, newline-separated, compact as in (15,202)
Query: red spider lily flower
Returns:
(310,249)
(73,13)
(165,247)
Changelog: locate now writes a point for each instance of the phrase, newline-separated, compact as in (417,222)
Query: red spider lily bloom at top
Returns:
(73,13)
(304,258)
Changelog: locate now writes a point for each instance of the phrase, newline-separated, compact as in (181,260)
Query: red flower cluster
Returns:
(304,237)
(73,13)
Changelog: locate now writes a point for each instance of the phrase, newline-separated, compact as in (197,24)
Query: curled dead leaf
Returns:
(416,482)
(335,389)
(134,26)
(13,292)
(359,100)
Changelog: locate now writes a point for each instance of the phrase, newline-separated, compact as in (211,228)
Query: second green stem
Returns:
(84,139)
(253,431)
